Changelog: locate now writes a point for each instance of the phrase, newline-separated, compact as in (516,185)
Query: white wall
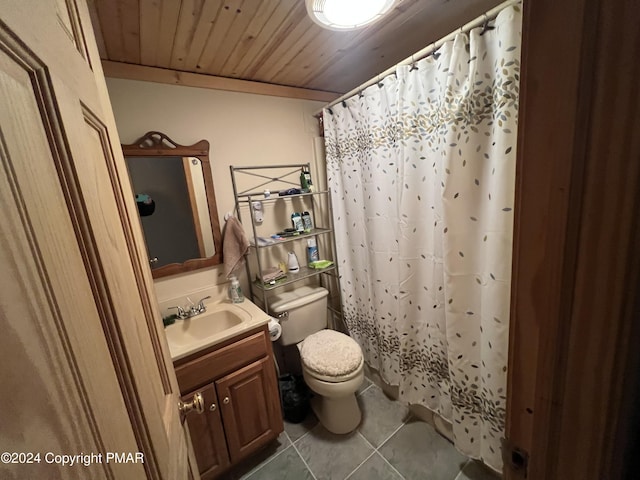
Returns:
(242,129)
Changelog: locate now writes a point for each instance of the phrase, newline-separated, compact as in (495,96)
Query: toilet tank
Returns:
(302,312)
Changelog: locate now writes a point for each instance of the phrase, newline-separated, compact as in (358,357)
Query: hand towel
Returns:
(234,245)
(272,274)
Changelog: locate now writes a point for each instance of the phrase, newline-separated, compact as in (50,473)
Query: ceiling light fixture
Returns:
(347,14)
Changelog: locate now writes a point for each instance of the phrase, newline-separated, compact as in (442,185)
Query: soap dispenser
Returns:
(235,292)
(292,263)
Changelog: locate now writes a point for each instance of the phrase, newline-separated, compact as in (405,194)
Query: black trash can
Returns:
(294,395)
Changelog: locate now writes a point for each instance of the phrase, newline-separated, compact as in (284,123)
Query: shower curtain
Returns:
(421,169)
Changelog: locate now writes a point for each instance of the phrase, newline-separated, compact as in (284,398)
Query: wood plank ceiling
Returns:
(270,41)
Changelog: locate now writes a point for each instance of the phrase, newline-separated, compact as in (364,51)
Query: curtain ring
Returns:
(433,52)
(485,25)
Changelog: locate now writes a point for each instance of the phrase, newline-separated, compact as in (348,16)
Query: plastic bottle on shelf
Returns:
(304,185)
(307,222)
(307,176)
(235,292)
(312,251)
(296,220)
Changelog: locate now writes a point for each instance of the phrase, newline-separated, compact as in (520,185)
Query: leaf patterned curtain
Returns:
(422,173)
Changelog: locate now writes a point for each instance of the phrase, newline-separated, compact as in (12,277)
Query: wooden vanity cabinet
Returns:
(242,404)
(207,434)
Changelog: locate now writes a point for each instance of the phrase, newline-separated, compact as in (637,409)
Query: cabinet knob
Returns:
(212,407)
(195,405)
(226,400)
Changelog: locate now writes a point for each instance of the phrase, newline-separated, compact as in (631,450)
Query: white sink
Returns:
(221,321)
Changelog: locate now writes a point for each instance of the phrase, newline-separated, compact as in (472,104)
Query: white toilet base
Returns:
(338,415)
(335,404)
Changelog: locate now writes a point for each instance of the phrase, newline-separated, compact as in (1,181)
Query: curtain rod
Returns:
(425,52)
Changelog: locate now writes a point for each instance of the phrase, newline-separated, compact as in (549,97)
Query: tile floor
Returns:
(390,444)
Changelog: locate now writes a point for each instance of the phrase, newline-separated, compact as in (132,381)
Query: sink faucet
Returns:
(200,307)
(182,313)
(193,310)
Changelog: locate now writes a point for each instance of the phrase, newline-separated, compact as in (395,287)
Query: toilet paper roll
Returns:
(275,330)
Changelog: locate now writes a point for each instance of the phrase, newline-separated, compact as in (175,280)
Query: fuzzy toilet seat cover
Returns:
(330,353)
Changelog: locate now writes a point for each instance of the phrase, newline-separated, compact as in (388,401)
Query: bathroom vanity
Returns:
(233,369)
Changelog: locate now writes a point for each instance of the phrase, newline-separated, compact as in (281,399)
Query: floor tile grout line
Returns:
(368,387)
(266,462)
(367,441)
(304,461)
(302,436)
(272,457)
(461,470)
(381,455)
(392,467)
(306,433)
(391,435)
(361,463)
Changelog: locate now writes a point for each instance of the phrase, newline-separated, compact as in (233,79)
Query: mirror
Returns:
(174,192)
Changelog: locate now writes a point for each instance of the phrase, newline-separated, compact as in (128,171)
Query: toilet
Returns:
(332,362)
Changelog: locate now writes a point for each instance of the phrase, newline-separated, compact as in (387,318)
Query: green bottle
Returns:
(307,176)
(304,185)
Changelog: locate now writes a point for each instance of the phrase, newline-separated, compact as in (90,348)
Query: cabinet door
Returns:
(250,407)
(207,434)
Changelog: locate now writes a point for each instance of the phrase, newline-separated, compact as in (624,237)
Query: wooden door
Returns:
(207,434)
(250,407)
(85,365)
(573,355)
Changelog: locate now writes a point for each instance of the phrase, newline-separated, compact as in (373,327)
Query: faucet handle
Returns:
(181,312)
(200,306)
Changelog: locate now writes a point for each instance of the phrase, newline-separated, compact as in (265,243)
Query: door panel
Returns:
(77,299)
(69,19)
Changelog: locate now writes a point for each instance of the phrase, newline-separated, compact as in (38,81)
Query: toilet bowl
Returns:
(332,363)
(333,368)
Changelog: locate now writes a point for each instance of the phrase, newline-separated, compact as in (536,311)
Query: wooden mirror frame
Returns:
(157,144)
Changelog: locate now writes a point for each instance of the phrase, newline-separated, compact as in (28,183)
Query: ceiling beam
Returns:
(175,77)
